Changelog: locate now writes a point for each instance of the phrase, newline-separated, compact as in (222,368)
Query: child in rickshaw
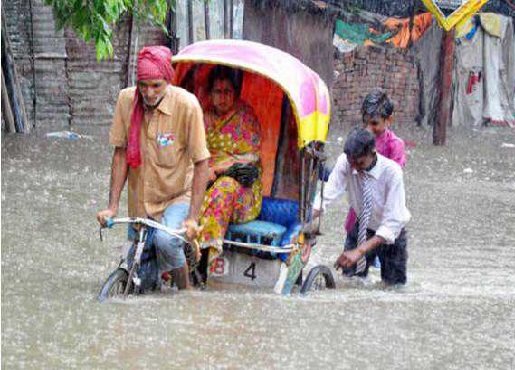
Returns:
(234,140)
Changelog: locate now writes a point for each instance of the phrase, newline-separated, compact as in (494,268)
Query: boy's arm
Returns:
(350,257)
(336,185)
(395,213)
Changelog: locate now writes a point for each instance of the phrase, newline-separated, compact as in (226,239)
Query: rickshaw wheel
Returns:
(319,278)
(115,285)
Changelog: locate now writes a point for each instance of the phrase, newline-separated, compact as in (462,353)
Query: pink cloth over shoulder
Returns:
(391,146)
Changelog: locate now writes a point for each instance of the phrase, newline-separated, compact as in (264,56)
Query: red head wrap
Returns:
(154,63)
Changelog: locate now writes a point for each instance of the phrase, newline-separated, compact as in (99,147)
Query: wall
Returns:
(94,85)
(67,83)
(47,47)
(69,86)
(366,68)
(50,58)
(304,34)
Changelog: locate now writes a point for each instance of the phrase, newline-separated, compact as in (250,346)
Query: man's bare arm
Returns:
(119,172)
(351,257)
(200,179)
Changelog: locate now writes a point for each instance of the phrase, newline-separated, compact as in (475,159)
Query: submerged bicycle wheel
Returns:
(319,278)
(115,285)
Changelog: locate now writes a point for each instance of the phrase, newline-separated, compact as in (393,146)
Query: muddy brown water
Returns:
(457,311)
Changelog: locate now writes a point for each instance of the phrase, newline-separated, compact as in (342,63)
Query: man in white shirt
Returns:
(386,236)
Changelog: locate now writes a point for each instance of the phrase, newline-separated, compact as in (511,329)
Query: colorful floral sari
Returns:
(236,136)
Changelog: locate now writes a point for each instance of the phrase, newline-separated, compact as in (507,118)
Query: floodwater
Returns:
(457,311)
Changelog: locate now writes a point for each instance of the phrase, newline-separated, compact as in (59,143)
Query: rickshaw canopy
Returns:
(306,91)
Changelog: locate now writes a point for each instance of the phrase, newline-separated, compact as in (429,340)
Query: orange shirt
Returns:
(172,139)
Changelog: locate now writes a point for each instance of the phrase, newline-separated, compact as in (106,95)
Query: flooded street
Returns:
(456,312)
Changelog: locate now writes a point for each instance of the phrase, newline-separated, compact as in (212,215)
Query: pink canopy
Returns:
(306,91)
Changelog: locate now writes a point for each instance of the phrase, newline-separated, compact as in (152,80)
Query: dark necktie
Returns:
(366,211)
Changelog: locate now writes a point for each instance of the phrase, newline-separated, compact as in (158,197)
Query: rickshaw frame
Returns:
(306,96)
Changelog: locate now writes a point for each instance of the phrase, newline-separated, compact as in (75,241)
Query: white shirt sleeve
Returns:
(395,214)
(336,184)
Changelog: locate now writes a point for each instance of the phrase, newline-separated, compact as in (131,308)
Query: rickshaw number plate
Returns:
(220,267)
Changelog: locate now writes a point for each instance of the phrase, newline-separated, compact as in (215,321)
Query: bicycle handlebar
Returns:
(178,233)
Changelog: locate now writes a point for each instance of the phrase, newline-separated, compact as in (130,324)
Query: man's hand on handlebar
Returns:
(104,215)
(192,228)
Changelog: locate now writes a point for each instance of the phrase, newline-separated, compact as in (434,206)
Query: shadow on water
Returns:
(456,311)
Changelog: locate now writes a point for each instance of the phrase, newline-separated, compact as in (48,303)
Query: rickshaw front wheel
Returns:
(115,285)
(319,278)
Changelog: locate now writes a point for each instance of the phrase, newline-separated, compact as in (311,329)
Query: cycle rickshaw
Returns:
(292,104)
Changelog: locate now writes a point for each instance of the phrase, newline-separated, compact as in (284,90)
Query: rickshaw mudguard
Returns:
(291,270)
(289,274)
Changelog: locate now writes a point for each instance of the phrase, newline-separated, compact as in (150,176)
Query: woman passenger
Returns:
(233,136)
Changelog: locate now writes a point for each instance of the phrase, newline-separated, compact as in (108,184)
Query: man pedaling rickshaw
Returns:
(160,148)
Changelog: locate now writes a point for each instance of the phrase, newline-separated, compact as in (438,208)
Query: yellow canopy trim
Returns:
(459,16)
(313,127)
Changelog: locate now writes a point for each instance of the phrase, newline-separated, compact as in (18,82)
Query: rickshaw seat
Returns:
(257,231)
(276,225)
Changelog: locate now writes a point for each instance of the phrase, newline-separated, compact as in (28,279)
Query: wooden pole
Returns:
(190,21)
(6,108)
(12,83)
(231,19)
(33,65)
(411,23)
(172,28)
(226,19)
(128,79)
(445,86)
(207,21)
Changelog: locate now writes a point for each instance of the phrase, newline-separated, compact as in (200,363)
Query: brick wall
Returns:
(94,86)
(366,68)
(305,35)
(70,86)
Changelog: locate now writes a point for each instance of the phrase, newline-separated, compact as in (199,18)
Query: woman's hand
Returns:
(221,168)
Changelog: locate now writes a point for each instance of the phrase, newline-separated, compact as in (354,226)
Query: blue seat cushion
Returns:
(284,212)
(257,231)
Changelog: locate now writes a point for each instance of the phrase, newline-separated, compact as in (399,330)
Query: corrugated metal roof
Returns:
(448,4)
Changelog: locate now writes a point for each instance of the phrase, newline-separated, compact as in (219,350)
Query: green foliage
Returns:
(95,19)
